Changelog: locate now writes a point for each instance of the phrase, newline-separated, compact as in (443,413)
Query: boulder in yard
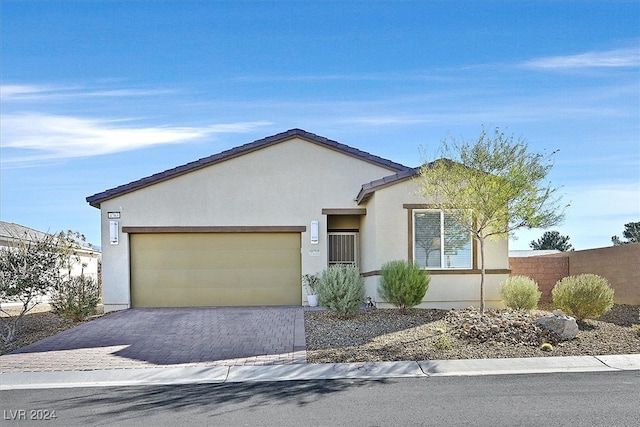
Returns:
(565,327)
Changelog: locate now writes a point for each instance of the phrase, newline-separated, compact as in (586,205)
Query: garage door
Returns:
(215,269)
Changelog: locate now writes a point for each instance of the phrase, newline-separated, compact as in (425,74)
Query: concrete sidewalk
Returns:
(370,370)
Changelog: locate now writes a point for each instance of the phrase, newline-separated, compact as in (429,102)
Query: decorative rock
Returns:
(565,327)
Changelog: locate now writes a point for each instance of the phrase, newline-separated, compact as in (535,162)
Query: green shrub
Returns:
(341,290)
(76,298)
(443,343)
(520,293)
(583,296)
(546,347)
(403,284)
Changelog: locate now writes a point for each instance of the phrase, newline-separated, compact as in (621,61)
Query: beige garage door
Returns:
(215,269)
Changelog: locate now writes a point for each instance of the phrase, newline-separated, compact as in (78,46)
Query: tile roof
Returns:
(96,199)
(369,188)
(11,233)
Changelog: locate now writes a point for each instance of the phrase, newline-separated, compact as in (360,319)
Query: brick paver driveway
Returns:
(140,337)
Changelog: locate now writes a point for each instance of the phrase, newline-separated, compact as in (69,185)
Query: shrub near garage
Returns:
(520,293)
(76,298)
(584,296)
(341,290)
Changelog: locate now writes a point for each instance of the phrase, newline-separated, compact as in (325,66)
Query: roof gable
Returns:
(369,188)
(96,199)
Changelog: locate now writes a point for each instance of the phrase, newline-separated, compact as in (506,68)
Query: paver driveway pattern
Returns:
(200,336)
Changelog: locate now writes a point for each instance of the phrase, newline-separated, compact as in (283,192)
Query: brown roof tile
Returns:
(369,188)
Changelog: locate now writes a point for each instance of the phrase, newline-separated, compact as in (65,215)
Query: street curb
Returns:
(113,377)
(172,375)
(328,371)
(515,366)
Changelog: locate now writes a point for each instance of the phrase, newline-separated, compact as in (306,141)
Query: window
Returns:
(439,242)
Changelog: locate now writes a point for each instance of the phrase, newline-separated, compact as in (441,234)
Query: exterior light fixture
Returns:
(113,232)
(314,232)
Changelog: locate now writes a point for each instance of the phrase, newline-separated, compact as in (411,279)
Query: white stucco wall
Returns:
(286,184)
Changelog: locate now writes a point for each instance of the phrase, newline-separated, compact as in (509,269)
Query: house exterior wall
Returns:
(287,184)
(387,225)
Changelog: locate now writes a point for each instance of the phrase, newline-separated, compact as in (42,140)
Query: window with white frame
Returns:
(439,242)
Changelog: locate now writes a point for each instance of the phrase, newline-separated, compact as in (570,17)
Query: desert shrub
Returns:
(520,293)
(76,298)
(403,284)
(546,347)
(443,343)
(583,296)
(341,290)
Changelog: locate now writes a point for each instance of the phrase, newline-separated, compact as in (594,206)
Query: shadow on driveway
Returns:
(168,336)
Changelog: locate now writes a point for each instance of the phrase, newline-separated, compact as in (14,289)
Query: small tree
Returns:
(29,269)
(552,240)
(631,233)
(403,284)
(496,179)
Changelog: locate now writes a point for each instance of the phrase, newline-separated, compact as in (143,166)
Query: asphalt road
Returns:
(571,399)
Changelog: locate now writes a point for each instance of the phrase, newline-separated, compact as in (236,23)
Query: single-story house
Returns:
(241,227)
(89,258)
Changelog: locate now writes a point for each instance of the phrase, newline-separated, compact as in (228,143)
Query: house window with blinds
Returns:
(439,242)
(343,248)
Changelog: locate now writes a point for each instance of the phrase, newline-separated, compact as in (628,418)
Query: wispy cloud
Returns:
(438,75)
(31,92)
(627,57)
(30,137)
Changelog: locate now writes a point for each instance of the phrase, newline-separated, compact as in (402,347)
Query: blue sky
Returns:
(100,93)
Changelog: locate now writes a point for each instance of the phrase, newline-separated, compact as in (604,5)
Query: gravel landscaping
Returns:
(387,335)
(38,324)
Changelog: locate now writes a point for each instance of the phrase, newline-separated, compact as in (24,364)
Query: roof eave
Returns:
(97,199)
(368,189)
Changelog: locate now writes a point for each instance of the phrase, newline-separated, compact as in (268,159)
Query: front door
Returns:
(343,248)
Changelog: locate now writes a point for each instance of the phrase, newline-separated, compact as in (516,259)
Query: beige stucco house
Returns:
(241,227)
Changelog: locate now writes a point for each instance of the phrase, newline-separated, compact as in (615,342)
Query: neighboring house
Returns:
(89,257)
(241,227)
